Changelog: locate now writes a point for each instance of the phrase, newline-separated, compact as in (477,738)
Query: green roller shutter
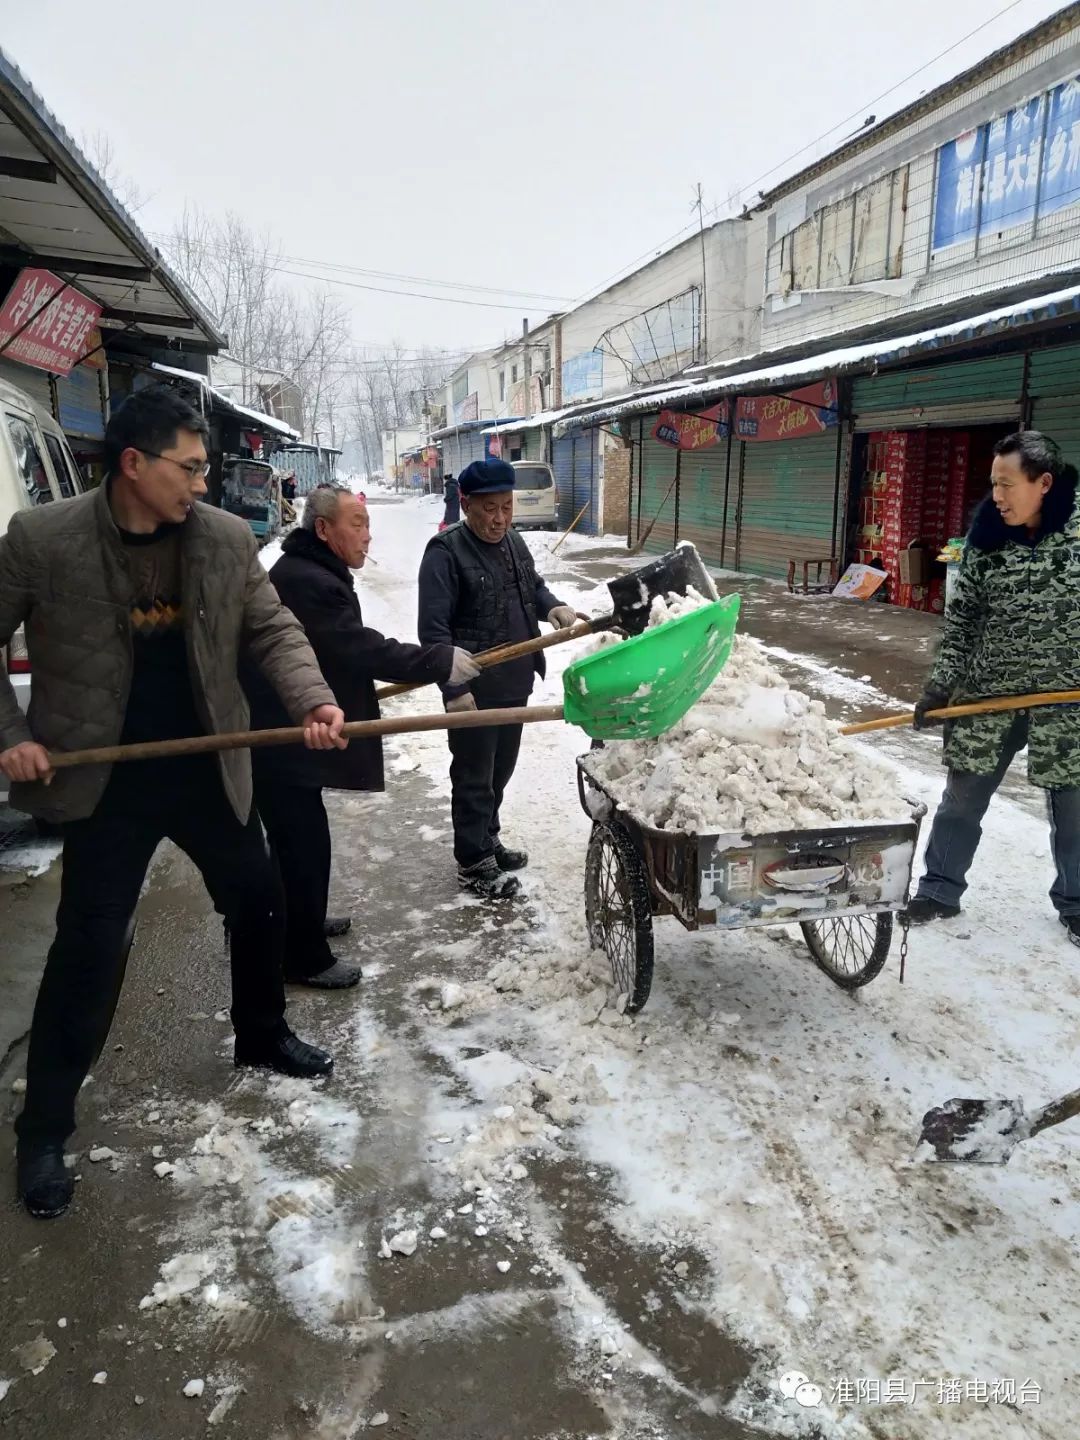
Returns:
(1054,385)
(788,500)
(533,444)
(967,393)
(701,501)
(657,473)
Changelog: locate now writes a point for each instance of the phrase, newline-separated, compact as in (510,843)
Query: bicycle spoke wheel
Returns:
(618,912)
(852,949)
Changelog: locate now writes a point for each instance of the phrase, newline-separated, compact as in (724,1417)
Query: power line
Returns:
(221,248)
(274,265)
(862,109)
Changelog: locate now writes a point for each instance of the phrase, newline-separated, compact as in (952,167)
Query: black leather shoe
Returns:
(286,1053)
(338,976)
(45,1184)
(339,925)
(510,859)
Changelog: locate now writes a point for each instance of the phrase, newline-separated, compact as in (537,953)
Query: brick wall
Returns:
(616,487)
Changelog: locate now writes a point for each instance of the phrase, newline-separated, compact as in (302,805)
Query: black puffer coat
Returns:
(318,588)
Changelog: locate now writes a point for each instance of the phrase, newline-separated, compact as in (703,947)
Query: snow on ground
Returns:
(754,756)
(761,1115)
(753,1127)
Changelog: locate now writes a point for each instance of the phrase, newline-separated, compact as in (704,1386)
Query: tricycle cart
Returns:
(841,885)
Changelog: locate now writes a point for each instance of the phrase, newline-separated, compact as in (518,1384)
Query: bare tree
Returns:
(98,148)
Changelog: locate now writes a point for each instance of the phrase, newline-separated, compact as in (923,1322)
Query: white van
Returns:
(36,466)
(536,496)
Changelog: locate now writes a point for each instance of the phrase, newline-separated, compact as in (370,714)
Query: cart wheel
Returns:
(851,949)
(618,912)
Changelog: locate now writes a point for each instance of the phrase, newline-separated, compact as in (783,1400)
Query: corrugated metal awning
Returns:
(251,417)
(60,213)
(847,360)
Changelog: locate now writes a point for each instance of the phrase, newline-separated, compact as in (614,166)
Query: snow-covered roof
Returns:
(254,417)
(464,426)
(837,361)
(527,422)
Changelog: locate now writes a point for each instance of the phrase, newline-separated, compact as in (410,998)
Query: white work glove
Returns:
(562,617)
(463,702)
(463,669)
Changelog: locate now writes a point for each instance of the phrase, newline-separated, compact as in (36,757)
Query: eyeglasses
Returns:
(194,469)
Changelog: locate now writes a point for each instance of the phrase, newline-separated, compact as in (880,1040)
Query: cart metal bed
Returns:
(841,885)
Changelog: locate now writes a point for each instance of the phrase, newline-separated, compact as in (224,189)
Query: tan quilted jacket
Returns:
(64,575)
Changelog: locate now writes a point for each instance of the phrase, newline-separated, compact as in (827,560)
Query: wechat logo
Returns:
(794,1385)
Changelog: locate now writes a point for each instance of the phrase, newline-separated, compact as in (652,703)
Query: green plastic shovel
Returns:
(634,690)
(644,686)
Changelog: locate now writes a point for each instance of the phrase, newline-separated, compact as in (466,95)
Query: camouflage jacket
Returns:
(1013,628)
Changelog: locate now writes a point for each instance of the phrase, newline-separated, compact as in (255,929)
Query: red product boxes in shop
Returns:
(935,490)
(958,482)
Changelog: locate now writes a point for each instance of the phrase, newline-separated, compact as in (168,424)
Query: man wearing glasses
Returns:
(137,603)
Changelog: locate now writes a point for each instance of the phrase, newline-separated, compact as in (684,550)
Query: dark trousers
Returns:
(957,830)
(104,865)
(299,834)
(480,770)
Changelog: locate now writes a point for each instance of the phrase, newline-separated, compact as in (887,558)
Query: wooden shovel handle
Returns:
(975,707)
(292,735)
(1056,1112)
(502,653)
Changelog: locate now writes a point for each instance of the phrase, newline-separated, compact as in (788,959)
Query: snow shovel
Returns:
(675,573)
(631,691)
(974,707)
(986,1132)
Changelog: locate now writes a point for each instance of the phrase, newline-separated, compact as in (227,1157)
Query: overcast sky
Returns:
(489,143)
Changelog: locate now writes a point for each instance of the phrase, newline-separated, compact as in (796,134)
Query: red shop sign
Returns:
(691,432)
(808,411)
(60,323)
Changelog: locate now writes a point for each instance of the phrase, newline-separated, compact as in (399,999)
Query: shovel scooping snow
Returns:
(986,1132)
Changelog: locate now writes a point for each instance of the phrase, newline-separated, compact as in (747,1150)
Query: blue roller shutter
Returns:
(562,462)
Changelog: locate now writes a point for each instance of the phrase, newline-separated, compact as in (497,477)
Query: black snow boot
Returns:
(510,859)
(923,910)
(488,881)
(1072,925)
(45,1183)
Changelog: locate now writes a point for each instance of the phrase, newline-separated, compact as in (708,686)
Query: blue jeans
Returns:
(957,829)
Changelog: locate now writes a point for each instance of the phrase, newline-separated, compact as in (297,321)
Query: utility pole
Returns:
(699,205)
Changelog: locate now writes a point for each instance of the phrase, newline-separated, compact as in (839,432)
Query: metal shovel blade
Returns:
(975,1132)
(676,573)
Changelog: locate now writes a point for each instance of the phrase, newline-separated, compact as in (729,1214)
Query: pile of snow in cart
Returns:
(753,756)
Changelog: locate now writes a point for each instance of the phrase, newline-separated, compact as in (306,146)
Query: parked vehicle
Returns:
(536,496)
(249,489)
(36,467)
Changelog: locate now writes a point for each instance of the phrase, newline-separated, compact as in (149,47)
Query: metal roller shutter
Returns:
(451,455)
(1054,384)
(34,383)
(533,444)
(1059,417)
(657,474)
(585,482)
(787,501)
(701,501)
(471,445)
(562,462)
(968,393)
(78,399)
